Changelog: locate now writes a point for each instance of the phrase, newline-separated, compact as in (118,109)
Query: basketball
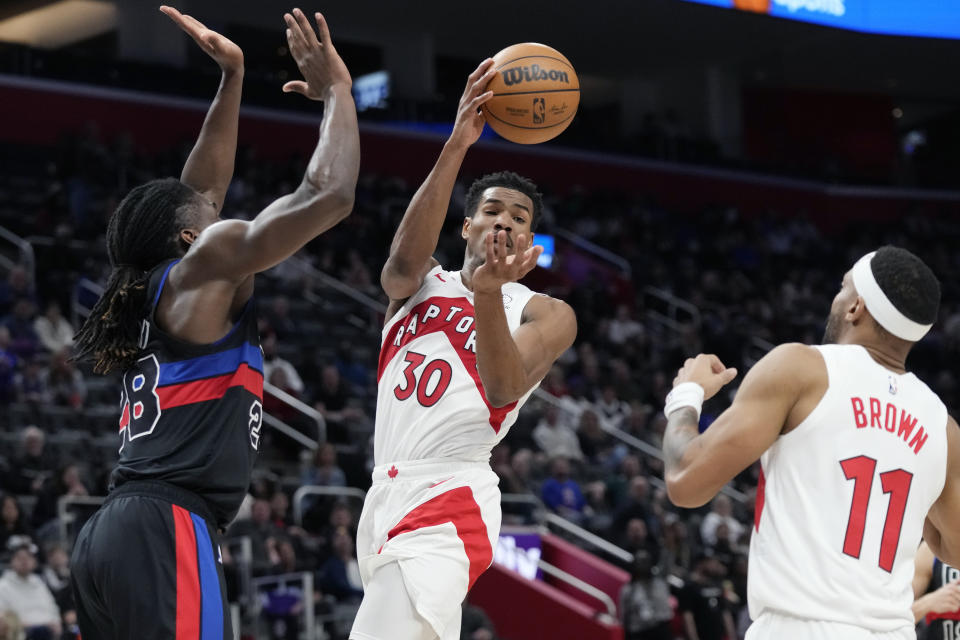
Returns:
(535,93)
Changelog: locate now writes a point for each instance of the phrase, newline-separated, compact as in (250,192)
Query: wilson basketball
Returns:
(535,93)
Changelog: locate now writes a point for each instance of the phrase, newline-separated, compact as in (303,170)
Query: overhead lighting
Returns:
(60,24)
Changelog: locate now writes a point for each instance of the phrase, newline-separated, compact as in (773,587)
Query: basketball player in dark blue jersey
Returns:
(936,591)
(178,319)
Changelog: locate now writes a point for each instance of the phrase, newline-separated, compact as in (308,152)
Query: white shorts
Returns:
(439,520)
(774,626)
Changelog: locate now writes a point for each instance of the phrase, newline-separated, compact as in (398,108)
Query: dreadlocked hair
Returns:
(142,232)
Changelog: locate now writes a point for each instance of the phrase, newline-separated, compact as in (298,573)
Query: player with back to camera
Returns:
(461,352)
(178,318)
(858,460)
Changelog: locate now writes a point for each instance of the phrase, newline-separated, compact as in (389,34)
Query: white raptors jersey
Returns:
(430,400)
(843,498)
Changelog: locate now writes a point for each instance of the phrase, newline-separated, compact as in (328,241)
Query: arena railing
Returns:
(66,516)
(580,585)
(303,408)
(638,445)
(591,247)
(322,490)
(241,549)
(25,259)
(592,539)
(78,309)
(671,310)
(305,579)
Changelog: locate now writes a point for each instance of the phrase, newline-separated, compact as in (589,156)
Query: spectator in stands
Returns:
(562,494)
(23,339)
(16,287)
(263,536)
(53,330)
(645,609)
(8,368)
(610,408)
(595,444)
(272,363)
(34,464)
(618,484)
(13,521)
(340,574)
(476,624)
(56,575)
(30,384)
(324,470)
(332,400)
(279,319)
(357,274)
(10,626)
(67,483)
(623,328)
(721,511)
(636,537)
(555,436)
(64,382)
(636,506)
(555,382)
(24,592)
(706,611)
(280,510)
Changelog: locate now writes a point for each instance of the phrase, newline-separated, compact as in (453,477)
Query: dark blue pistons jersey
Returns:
(191,413)
(942,626)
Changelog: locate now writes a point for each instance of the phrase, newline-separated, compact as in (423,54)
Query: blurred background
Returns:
(726,166)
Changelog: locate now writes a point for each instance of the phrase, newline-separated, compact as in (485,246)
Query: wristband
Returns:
(685,394)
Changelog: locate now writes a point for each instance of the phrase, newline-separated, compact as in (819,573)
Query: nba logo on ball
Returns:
(536,93)
(539,109)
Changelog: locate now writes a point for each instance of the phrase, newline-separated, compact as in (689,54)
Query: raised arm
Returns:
(942,528)
(510,365)
(234,249)
(788,379)
(416,238)
(209,167)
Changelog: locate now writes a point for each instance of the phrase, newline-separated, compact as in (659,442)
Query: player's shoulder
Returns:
(796,361)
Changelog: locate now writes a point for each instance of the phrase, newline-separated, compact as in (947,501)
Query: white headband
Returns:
(879,305)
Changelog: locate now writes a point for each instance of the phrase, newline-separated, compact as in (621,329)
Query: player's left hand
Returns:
(707,371)
(223,50)
(500,267)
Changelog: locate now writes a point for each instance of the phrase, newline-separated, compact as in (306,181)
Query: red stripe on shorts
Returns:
(188,576)
(459,507)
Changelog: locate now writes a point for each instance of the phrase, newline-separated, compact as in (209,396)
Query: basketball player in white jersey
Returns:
(461,352)
(859,459)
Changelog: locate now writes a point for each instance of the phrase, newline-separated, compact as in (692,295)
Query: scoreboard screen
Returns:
(927,18)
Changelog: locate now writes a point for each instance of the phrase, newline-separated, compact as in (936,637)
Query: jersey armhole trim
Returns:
(821,404)
(163,281)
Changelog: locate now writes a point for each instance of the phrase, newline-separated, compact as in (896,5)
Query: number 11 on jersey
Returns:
(896,483)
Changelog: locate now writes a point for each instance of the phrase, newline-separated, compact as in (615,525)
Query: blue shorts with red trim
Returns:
(147,566)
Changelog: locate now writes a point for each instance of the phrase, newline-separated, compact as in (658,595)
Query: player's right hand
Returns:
(946,599)
(224,51)
(470,121)
(318,60)
(707,371)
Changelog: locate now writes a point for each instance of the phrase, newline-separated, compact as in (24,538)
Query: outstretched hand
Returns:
(499,267)
(318,60)
(223,50)
(470,121)
(708,371)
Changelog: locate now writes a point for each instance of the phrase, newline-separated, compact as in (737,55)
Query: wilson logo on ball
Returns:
(534,72)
